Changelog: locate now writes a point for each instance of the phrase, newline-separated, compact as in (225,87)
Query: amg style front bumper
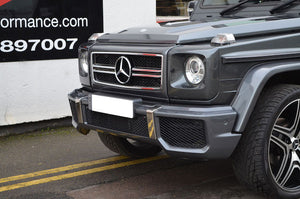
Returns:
(186,131)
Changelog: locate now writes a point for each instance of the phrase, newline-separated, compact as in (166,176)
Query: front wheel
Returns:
(128,147)
(267,158)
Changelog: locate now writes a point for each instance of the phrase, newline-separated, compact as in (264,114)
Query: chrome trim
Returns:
(78,108)
(146,75)
(103,71)
(124,54)
(146,70)
(151,123)
(119,69)
(103,67)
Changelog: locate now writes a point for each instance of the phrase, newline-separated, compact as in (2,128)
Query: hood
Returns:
(195,31)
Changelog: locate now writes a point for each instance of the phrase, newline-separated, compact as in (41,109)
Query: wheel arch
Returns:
(260,77)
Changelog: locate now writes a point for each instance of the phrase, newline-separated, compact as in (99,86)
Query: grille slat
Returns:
(105,67)
(186,133)
(105,72)
(145,75)
(146,69)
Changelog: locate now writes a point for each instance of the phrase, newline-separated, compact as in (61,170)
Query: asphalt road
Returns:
(64,164)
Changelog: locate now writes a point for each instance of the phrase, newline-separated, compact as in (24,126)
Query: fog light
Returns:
(194,70)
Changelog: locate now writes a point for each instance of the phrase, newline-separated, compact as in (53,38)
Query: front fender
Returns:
(252,86)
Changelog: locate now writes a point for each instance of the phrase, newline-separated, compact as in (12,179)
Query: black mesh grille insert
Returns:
(186,133)
(135,126)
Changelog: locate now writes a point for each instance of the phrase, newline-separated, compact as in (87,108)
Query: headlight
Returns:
(194,70)
(83,63)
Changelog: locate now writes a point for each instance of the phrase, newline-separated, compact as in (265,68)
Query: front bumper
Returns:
(185,131)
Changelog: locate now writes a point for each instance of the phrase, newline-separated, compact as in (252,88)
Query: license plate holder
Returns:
(123,107)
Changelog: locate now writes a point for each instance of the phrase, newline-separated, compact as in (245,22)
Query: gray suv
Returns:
(224,84)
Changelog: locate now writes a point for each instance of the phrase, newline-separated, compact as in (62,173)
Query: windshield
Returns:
(213,10)
(228,2)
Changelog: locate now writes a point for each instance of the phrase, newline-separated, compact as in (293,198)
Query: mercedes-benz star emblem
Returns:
(123,70)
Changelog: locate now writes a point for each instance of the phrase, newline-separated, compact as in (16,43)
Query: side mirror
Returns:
(191,7)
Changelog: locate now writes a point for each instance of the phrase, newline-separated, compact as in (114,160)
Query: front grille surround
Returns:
(147,70)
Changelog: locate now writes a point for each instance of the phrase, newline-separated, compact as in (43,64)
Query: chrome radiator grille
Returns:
(130,70)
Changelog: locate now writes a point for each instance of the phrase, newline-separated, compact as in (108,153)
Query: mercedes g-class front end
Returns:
(224,84)
(147,94)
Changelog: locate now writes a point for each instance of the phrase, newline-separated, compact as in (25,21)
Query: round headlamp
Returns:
(83,62)
(194,70)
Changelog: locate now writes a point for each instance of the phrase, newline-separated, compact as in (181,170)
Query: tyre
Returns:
(267,158)
(128,147)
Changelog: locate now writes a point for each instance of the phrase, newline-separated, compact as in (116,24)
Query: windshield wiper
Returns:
(233,7)
(282,6)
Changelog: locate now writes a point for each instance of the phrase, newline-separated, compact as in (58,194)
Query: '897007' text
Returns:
(7,46)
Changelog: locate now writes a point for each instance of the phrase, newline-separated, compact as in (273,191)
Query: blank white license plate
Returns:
(113,106)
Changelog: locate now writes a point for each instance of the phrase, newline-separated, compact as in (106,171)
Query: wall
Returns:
(130,13)
(37,90)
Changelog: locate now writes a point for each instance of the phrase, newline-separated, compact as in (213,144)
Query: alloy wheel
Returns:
(284,148)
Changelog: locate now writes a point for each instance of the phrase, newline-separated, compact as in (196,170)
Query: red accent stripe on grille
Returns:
(148,88)
(146,54)
(2,2)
